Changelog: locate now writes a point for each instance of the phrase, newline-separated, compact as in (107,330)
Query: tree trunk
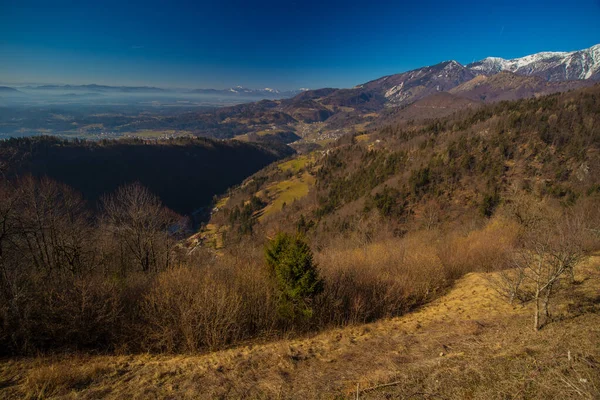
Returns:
(547,302)
(572,274)
(536,318)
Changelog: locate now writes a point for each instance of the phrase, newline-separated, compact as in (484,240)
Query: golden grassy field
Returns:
(286,192)
(297,163)
(467,344)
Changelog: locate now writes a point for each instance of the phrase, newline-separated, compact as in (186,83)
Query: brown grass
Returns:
(286,192)
(55,380)
(466,344)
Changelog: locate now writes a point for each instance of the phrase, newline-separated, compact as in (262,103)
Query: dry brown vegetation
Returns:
(121,284)
(428,254)
(466,344)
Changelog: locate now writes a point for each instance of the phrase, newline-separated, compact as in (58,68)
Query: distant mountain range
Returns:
(239,91)
(322,114)
(100,88)
(552,66)
(243,91)
(6,89)
(555,67)
(427,92)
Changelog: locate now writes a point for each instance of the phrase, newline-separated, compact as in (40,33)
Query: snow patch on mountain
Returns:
(552,65)
(394,90)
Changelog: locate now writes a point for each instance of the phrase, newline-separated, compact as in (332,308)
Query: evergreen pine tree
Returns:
(296,277)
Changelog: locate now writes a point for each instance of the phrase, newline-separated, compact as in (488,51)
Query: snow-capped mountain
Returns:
(552,66)
(488,80)
(267,93)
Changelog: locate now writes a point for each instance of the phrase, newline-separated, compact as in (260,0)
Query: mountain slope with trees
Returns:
(184,173)
(471,160)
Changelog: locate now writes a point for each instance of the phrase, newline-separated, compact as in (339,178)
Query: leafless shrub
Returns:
(585,215)
(482,249)
(392,276)
(187,310)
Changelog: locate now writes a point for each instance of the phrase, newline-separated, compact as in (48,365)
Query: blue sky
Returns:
(281,44)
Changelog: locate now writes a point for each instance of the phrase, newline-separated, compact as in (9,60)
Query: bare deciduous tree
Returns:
(550,252)
(53,226)
(8,232)
(431,214)
(140,224)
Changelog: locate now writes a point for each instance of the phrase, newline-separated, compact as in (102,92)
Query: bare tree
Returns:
(8,232)
(549,253)
(46,246)
(140,225)
(432,212)
(54,227)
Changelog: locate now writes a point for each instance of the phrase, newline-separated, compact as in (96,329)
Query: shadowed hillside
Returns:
(184,173)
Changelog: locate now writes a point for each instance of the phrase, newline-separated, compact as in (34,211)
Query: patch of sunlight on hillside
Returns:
(267,132)
(214,235)
(222,202)
(296,164)
(287,192)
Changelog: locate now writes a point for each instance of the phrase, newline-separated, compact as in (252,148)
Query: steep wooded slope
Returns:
(184,173)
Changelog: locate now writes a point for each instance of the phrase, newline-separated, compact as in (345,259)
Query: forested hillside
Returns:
(184,173)
(468,163)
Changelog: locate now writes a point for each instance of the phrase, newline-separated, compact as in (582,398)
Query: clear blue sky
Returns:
(281,44)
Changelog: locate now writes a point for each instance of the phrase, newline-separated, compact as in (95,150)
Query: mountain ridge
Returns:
(550,65)
(233,91)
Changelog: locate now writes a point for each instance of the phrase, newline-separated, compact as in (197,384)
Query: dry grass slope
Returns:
(286,192)
(466,344)
(296,164)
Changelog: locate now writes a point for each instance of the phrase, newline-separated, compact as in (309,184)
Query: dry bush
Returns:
(259,310)
(585,214)
(190,309)
(70,312)
(243,269)
(382,279)
(392,276)
(83,312)
(484,249)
